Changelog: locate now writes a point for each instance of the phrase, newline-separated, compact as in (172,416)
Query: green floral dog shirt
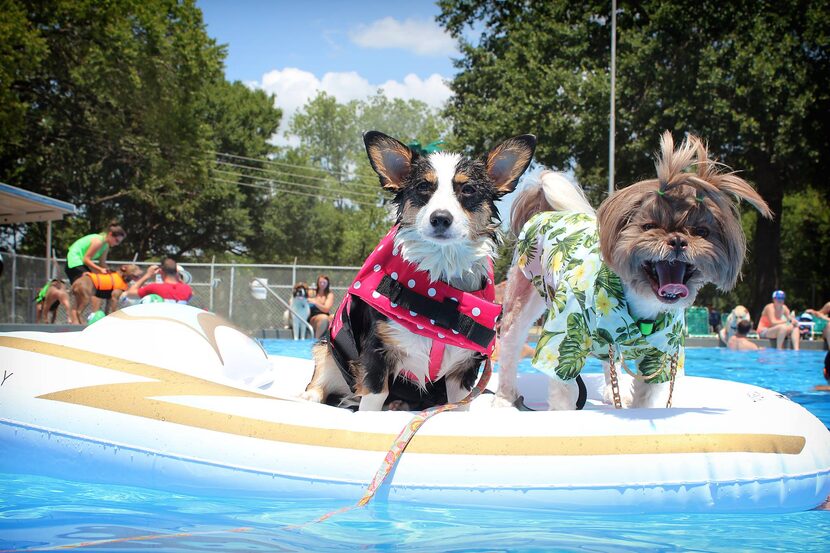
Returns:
(587,311)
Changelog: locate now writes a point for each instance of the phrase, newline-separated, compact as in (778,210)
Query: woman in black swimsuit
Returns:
(320,304)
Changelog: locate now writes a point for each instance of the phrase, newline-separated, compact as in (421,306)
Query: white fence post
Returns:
(212,282)
(230,294)
(14,287)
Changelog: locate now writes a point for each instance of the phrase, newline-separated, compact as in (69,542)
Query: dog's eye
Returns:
(424,187)
(703,232)
(650,226)
(468,190)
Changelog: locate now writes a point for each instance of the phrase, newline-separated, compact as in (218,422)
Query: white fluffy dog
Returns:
(301,311)
(738,314)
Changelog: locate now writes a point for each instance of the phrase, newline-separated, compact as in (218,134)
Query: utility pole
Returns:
(612,130)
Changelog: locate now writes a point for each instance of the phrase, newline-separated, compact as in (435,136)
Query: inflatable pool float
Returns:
(168,396)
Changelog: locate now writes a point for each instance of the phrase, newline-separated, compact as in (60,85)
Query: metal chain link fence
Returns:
(229,290)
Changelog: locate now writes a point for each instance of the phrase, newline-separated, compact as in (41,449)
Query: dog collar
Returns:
(646,326)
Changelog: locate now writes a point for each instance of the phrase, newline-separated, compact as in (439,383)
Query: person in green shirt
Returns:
(88,254)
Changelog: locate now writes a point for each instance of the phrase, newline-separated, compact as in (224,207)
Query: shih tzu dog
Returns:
(616,282)
(420,316)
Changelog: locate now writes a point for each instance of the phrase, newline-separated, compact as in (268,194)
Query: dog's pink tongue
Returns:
(670,275)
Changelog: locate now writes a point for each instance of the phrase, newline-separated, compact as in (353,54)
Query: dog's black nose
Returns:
(441,219)
(678,243)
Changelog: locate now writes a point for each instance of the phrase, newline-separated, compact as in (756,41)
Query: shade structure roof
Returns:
(22,206)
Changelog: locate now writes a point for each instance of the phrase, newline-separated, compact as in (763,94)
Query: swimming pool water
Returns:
(44,513)
(793,373)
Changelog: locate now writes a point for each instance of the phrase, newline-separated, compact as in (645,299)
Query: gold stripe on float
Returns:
(138,399)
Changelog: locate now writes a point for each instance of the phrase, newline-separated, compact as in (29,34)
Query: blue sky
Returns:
(319,36)
(348,49)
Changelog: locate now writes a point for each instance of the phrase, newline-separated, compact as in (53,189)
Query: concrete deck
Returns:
(18,327)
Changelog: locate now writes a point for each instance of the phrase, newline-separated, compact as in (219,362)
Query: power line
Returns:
(284,173)
(292,192)
(277,181)
(286,164)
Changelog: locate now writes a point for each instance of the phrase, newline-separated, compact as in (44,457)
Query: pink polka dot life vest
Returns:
(403,293)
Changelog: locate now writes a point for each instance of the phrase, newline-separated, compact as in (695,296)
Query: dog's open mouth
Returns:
(668,279)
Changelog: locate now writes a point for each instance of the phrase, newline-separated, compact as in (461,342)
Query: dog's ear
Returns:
(507,161)
(614,214)
(390,158)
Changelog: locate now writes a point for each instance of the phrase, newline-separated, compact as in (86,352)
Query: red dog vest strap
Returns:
(436,310)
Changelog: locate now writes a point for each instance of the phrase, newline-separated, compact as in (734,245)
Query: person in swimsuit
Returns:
(778,322)
(320,304)
(739,342)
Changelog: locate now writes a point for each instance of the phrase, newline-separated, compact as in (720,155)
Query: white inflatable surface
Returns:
(169,396)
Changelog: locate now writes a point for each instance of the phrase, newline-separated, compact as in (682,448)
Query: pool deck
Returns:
(710,341)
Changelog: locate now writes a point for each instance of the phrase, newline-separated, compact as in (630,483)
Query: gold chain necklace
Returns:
(615,385)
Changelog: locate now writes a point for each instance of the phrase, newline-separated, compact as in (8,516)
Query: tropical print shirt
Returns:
(587,311)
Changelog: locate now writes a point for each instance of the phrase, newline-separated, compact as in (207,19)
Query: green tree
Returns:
(121,114)
(348,214)
(750,77)
(21,51)
(242,121)
(805,246)
(327,132)
(407,120)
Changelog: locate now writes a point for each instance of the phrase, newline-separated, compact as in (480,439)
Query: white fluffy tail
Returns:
(552,192)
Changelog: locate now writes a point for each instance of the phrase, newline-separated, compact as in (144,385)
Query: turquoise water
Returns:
(39,513)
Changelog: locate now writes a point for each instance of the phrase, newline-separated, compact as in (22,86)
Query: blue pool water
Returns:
(39,513)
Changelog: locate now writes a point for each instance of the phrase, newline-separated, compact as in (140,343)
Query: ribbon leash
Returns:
(402,440)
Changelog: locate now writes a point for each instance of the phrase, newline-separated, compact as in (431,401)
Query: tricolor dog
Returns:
(420,316)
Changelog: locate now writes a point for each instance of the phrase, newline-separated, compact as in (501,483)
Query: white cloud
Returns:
(421,37)
(433,90)
(294,87)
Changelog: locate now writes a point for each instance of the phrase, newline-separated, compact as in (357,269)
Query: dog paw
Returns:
(397,405)
(498,401)
(626,397)
(486,402)
(312,396)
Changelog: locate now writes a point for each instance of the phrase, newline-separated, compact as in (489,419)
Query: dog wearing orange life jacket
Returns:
(107,286)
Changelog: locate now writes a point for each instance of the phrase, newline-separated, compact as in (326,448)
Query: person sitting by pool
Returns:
(320,304)
(778,322)
(738,314)
(171,288)
(823,313)
(739,342)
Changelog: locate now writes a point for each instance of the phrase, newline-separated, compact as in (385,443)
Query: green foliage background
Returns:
(752,78)
(121,108)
